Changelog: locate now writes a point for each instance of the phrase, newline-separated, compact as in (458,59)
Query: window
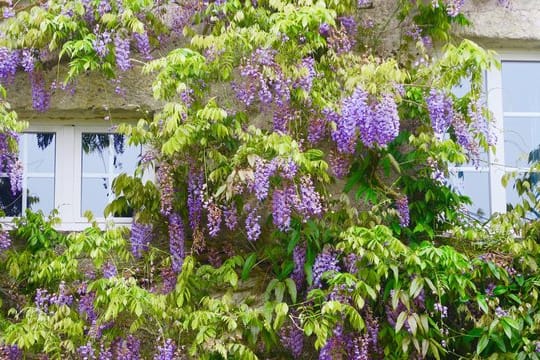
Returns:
(513,95)
(69,167)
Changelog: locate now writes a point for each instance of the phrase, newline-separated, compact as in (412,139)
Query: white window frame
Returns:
(68,171)
(496,166)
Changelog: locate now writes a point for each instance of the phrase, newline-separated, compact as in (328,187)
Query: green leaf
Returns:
(251,260)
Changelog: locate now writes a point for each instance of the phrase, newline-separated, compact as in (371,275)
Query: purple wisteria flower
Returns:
(325,262)
(386,120)
(309,203)
(143,45)
(141,235)
(292,338)
(402,205)
(5,241)
(214,218)
(166,351)
(281,210)
(109,270)
(299,259)
(122,52)
(176,242)
(441,111)
(264,170)
(230,214)
(195,197)
(355,115)
(41,98)
(253,226)
(166,185)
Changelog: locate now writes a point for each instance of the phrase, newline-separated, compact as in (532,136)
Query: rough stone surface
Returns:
(497,27)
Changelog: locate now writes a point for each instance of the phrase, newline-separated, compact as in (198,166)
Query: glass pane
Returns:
(520,80)
(10,204)
(95,153)
(475,185)
(126,157)
(521,141)
(40,151)
(40,194)
(94,197)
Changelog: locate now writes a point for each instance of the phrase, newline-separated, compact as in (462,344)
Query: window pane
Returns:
(40,151)
(10,204)
(95,195)
(126,157)
(521,139)
(475,185)
(95,153)
(521,92)
(40,194)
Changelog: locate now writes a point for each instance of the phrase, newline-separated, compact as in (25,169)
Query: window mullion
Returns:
(495,104)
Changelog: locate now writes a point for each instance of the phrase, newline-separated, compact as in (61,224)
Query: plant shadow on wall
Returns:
(305,215)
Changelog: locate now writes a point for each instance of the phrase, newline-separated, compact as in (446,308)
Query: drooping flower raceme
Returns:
(402,205)
(176,241)
(386,120)
(325,262)
(441,111)
(166,351)
(253,226)
(141,235)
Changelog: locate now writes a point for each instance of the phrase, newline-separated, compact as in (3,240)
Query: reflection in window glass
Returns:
(104,156)
(521,92)
(475,185)
(521,139)
(37,153)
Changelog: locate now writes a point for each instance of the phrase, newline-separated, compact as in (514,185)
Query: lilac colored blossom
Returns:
(86,304)
(351,263)
(360,348)
(40,96)
(500,312)
(316,129)
(214,218)
(264,170)
(9,61)
(283,115)
(292,338)
(480,123)
(105,353)
(309,203)
(104,7)
(109,270)
(181,16)
(372,325)
(230,215)
(402,205)
(122,52)
(349,23)
(166,351)
(306,81)
(42,300)
(288,168)
(334,345)
(166,185)
(10,352)
(143,45)
(5,241)
(126,349)
(27,60)
(325,262)
(441,111)
(281,210)
(253,226)
(386,120)
(141,235)
(299,259)
(101,43)
(465,138)
(195,197)
(339,164)
(62,297)
(453,7)
(169,278)
(8,12)
(86,352)
(324,29)
(441,309)
(176,242)
(9,163)
(355,114)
